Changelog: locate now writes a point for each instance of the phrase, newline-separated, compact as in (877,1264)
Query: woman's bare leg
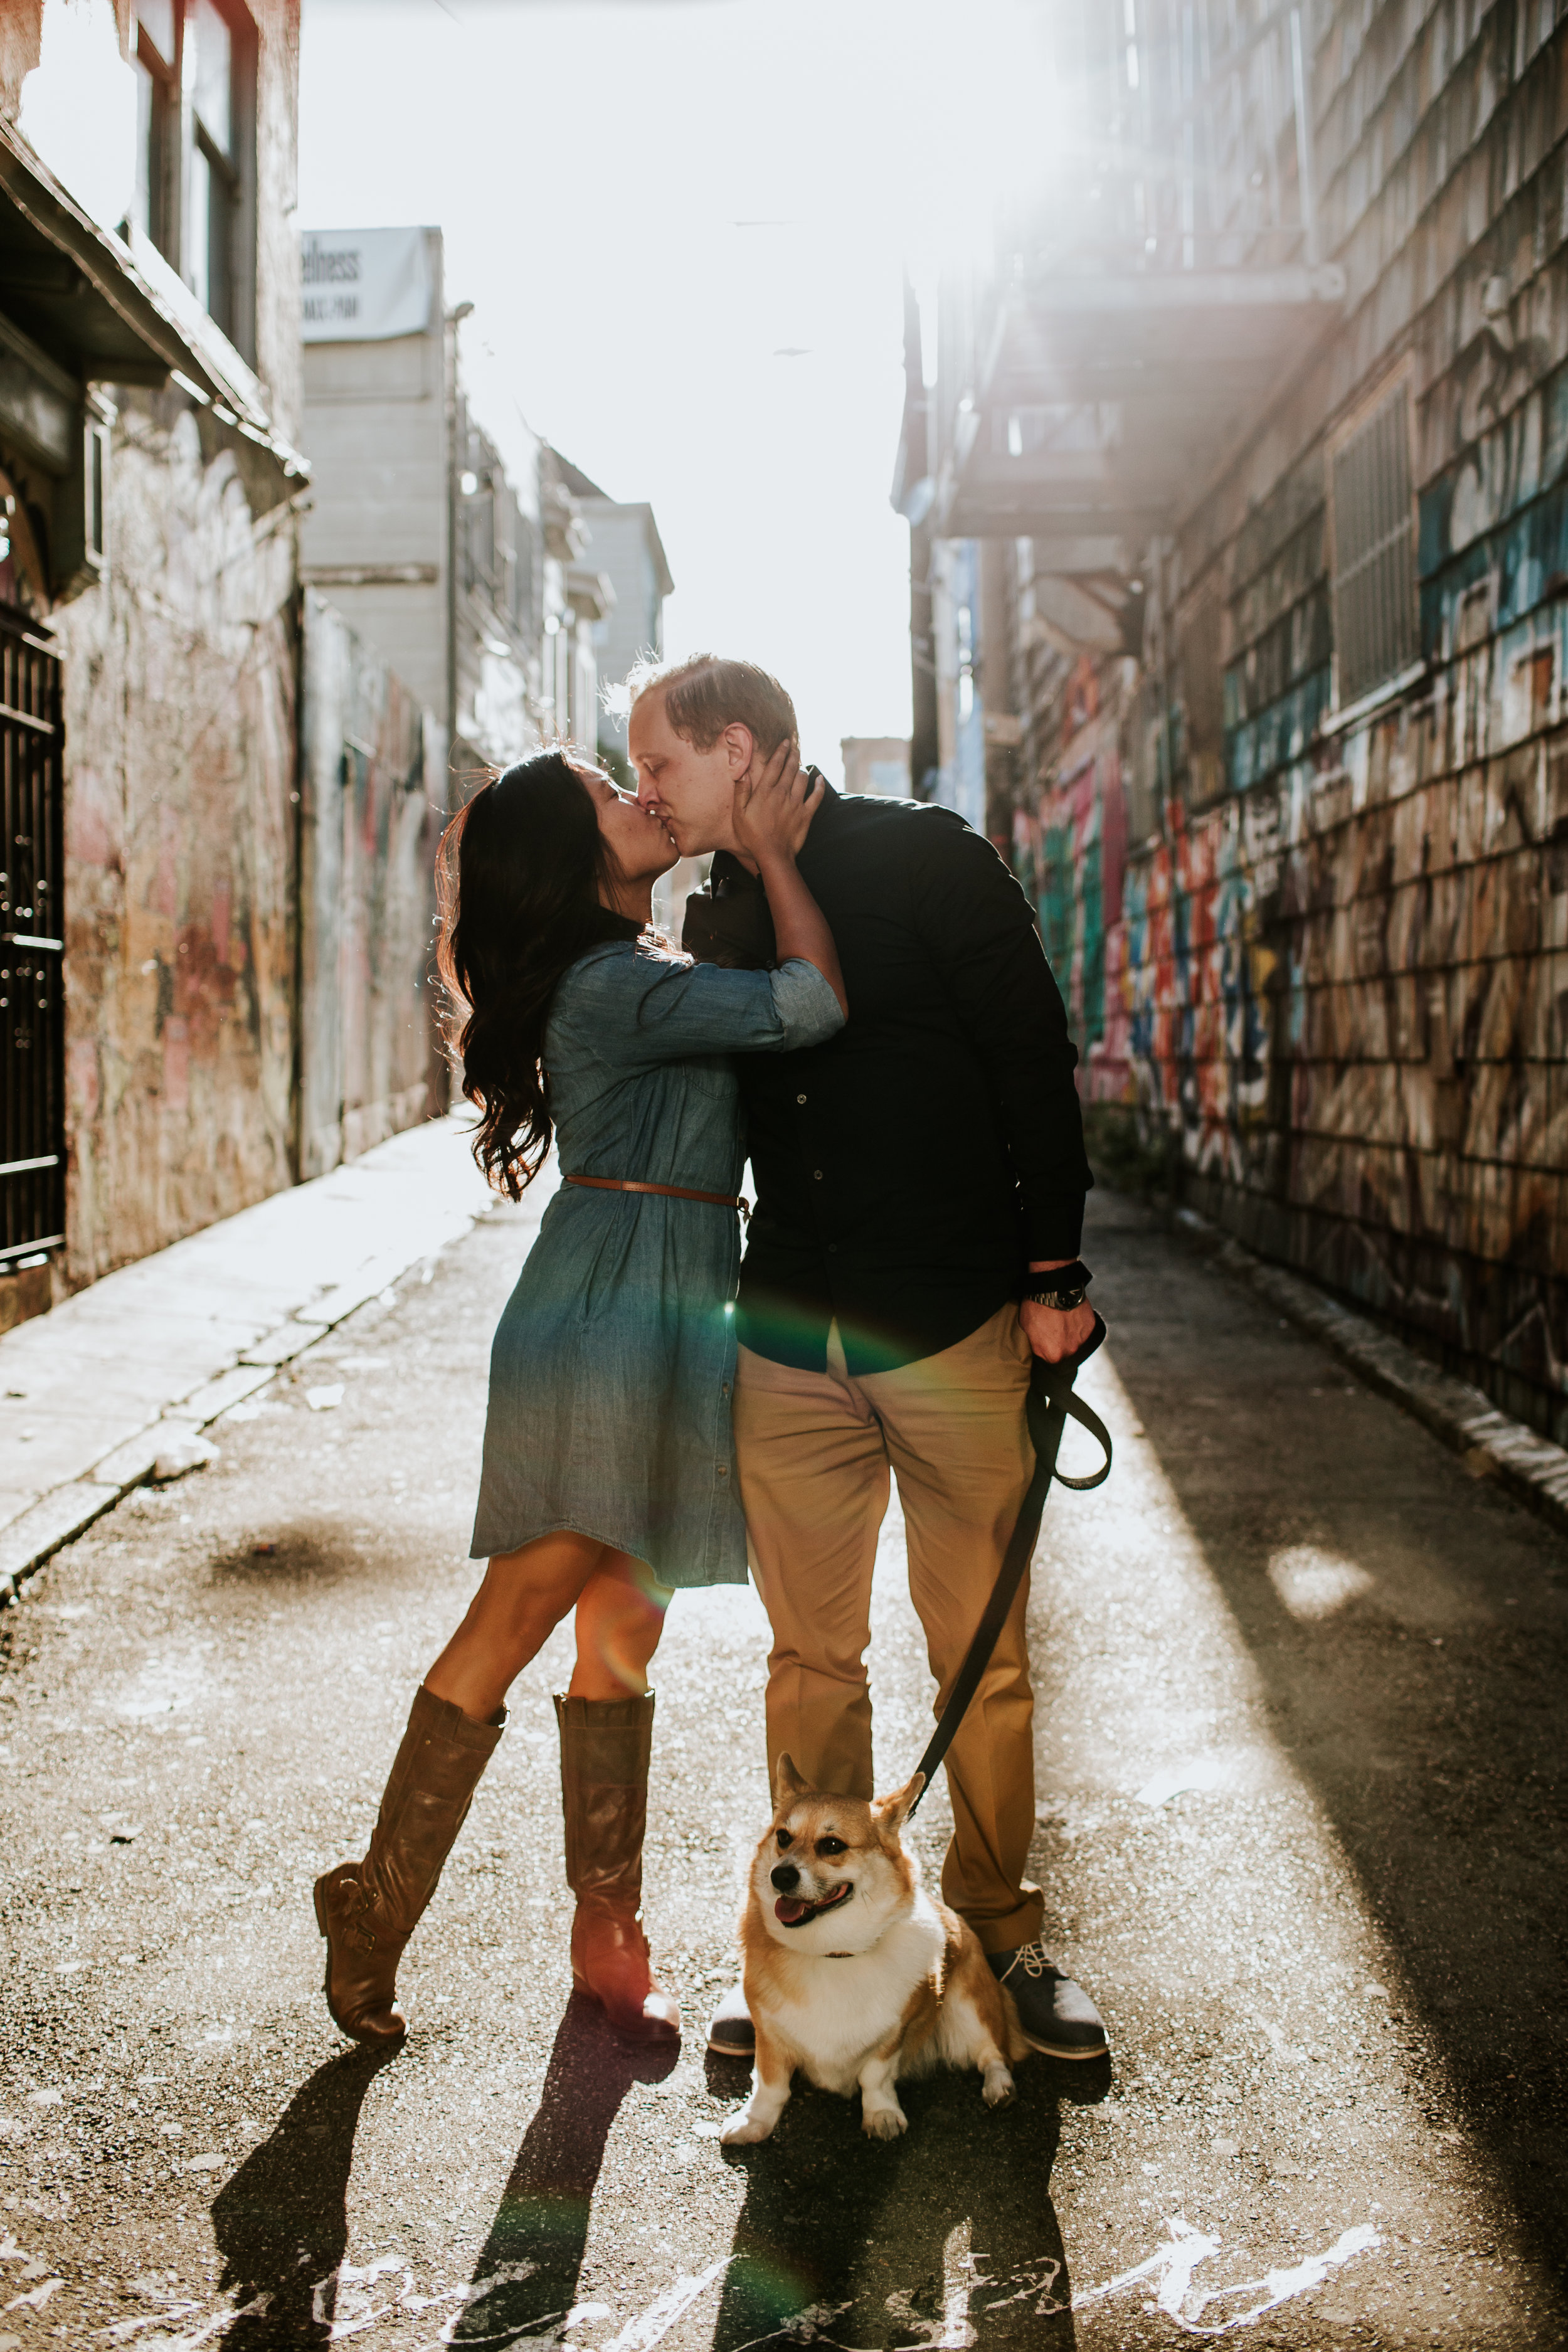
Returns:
(523,1597)
(620,1616)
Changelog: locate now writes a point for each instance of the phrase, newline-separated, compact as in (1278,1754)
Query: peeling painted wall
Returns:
(180,666)
(370,1061)
(180,749)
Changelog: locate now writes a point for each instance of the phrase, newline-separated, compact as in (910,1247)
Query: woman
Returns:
(609,1473)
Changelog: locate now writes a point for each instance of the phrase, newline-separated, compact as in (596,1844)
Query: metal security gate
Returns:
(31,946)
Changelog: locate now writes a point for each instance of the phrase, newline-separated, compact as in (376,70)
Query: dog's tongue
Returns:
(792,1910)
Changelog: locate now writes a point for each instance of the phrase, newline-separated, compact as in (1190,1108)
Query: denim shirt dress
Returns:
(614,1358)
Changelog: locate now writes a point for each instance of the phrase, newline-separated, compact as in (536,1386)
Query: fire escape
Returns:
(1142,302)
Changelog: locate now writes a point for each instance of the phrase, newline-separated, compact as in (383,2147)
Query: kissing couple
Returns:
(863,1007)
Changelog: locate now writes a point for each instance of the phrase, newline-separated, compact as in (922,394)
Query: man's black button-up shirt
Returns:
(908,1170)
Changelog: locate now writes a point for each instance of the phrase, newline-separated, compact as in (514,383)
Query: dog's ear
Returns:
(891,1813)
(787,1783)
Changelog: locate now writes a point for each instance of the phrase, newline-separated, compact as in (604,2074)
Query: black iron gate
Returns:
(31,946)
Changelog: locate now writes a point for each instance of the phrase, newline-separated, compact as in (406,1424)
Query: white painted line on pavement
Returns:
(350,2299)
(642,2334)
(1173,2267)
(1204,1773)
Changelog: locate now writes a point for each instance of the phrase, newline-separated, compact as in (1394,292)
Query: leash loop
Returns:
(1087,1418)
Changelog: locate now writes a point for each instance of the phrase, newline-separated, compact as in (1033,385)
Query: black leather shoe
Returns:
(1056,2015)
(731,2033)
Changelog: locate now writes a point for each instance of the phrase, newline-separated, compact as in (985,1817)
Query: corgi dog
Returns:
(852,1973)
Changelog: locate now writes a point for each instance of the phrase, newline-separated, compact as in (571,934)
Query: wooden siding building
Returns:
(1249,461)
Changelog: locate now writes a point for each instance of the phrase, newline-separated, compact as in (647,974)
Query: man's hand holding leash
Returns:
(1055,1332)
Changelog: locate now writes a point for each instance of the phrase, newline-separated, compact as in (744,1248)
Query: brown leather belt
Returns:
(671,1191)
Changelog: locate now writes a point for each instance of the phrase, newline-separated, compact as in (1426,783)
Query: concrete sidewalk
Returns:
(137,1365)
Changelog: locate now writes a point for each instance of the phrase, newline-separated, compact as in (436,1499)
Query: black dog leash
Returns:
(1051,1405)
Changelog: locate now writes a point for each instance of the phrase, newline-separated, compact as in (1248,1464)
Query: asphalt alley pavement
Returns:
(1300,1733)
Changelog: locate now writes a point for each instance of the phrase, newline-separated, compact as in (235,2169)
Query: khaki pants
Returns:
(814,1453)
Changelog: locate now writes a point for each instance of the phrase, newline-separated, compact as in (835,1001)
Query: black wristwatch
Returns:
(1064,1287)
(1064,1301)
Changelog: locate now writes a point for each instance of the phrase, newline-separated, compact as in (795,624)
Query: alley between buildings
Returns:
(1298,1733)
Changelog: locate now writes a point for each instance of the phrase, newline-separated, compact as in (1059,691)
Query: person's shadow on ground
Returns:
(946,2237)
(281,2220)
(533,2251)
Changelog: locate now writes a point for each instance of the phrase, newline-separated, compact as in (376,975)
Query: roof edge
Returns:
(110,268)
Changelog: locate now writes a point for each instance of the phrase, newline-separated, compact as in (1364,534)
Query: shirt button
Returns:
(817,1174)
(833,1249)
(724,1473)
(800,1097)
(725,1390)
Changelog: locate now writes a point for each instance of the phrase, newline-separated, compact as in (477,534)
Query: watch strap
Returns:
(1062,1300)
(1062,1286)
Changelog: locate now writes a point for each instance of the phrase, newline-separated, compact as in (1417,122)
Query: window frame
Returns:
(158,140)
(174,140)
(1404,662)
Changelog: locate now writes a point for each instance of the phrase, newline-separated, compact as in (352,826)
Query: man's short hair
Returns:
(705,694)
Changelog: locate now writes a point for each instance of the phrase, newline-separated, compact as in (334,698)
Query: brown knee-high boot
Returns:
(604,1749)
(367,1910)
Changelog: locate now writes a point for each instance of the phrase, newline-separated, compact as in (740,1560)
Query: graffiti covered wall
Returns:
(1348,990)
(1069,850)
(1328,971)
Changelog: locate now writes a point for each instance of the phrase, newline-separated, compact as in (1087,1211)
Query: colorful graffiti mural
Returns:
(1070,851)
(1334,979)
(1286,774)
(1348,991)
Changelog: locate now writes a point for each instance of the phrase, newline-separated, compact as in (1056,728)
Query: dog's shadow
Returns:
(946,2236)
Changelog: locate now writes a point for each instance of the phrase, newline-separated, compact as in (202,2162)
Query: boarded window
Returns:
(1375,629)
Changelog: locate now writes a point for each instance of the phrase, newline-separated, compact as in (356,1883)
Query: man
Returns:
(918,1177)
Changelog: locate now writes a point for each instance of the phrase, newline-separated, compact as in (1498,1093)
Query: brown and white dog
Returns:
(852,1973)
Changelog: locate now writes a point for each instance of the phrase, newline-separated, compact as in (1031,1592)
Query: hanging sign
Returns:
(365,285)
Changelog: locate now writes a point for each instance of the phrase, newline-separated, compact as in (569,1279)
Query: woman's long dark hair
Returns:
(517,879)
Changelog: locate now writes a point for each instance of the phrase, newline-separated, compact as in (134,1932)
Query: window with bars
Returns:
(1376,626)
(196,86)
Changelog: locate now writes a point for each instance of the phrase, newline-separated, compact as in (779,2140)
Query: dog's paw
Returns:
(998,2086)
(744,2129)
(884,2123)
